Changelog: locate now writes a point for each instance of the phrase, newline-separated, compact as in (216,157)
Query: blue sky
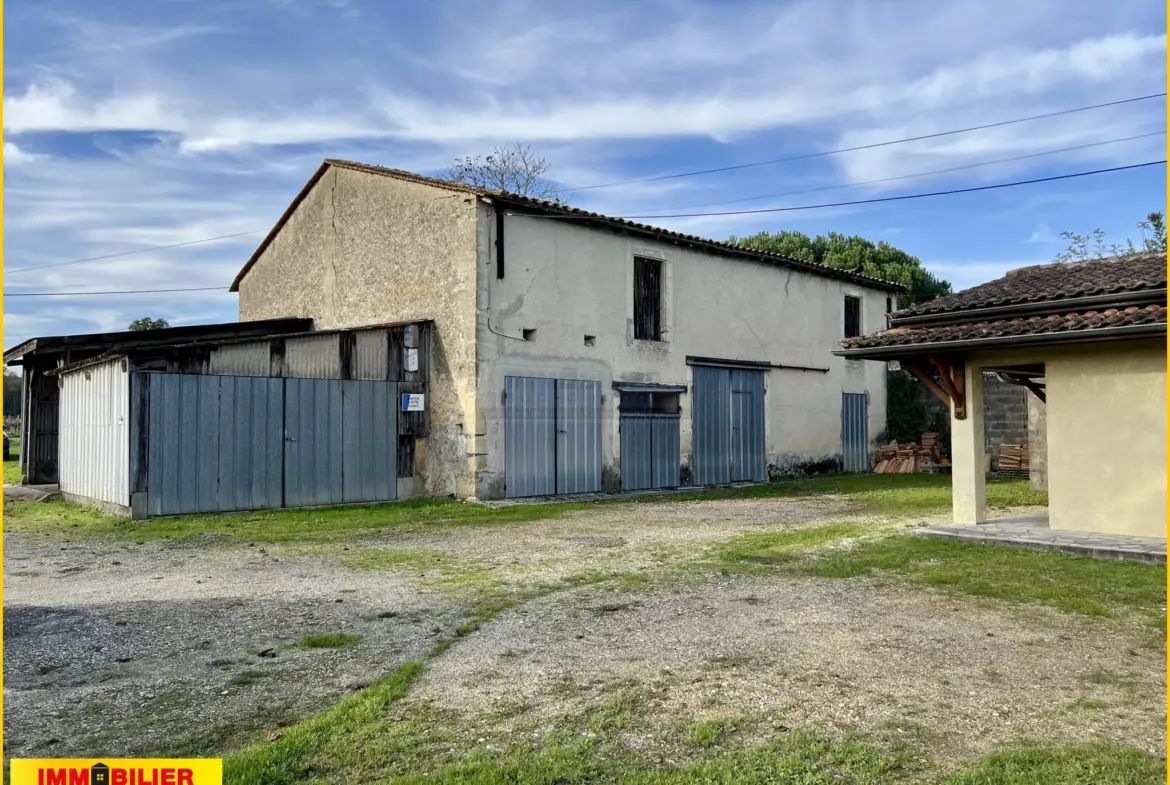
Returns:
(142,124)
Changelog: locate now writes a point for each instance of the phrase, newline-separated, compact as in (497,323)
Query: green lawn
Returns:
(1079,584)
(12,467)
(893,495)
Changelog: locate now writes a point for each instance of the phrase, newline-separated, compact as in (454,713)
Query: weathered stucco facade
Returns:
(567,282)
(360,248)
(363,249)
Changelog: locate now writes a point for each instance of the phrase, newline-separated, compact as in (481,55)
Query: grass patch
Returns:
(1080,584)
(708,733)
(877,494)
(1086,765)
(777,547)
(246,678)
(1087,704)
(329,640)
(278,526)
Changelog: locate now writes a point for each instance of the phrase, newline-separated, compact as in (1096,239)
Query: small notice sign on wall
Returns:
(411,359)
(413,402)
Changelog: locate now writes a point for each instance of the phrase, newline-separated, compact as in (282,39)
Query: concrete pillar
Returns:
(968,477)
(1038,442)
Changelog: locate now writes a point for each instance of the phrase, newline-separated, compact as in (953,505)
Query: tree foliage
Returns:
(1083,248)
(514,168)
(146,323)
(12,393)
(856,254)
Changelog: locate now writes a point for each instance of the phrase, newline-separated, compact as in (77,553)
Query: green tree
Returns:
(146,323)
(12,393)
(1083,248)
(856,254)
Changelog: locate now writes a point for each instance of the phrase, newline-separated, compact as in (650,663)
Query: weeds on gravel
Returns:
(329,640)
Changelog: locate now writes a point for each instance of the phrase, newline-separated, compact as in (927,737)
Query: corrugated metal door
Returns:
(93,432)
(578,436)
(341,442)
(312,442)
(369,442)
(748,462)
(667,460)
(650,455)
(855,432)
(213,442)
(530,437)
(711,425)
(637,451)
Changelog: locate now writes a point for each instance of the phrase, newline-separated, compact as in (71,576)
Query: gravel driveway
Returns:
(138,649)
(191,647)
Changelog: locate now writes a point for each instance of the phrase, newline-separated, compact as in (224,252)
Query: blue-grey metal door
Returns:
(578,436)
(649,451)
(341,442)
(711,425)
(312,442)
(369,441)
(855,432)
(748,461)
(213,443)
(530,438)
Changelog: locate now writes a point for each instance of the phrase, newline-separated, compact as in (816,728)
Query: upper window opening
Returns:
(852,316)
(647,299)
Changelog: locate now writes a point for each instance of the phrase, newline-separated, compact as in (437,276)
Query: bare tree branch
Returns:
(513,168)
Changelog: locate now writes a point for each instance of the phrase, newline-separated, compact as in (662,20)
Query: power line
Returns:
(740,212)
(807,156)
(127,291)
(895,198)
(911,176)
(203,240)
(128,253)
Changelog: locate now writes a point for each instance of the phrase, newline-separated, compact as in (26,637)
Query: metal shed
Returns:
(291,419)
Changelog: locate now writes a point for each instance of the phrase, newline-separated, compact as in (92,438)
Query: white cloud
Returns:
(56,105)
(17,156)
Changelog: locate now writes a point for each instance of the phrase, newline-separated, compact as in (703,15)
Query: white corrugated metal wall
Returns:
(94,433)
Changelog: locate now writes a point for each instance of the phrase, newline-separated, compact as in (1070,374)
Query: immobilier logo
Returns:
(117,771)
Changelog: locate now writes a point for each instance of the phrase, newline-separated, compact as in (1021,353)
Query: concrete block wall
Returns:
(1005,415)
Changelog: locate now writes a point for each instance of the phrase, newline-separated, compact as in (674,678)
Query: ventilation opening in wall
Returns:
(529,335)
(590,340)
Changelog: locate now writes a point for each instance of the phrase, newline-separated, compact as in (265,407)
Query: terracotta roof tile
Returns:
(1036,325)
(1057,281)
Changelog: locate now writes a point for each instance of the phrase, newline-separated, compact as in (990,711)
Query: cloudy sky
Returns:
(147,124)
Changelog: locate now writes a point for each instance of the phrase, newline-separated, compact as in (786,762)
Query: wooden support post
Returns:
(923,376)
(952,381)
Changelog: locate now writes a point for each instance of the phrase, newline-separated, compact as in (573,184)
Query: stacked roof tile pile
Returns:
(1013,458)
(908,458)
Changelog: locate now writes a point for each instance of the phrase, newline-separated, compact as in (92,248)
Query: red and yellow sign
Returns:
(117,771)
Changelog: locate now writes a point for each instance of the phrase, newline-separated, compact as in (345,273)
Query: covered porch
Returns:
(1097,360)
